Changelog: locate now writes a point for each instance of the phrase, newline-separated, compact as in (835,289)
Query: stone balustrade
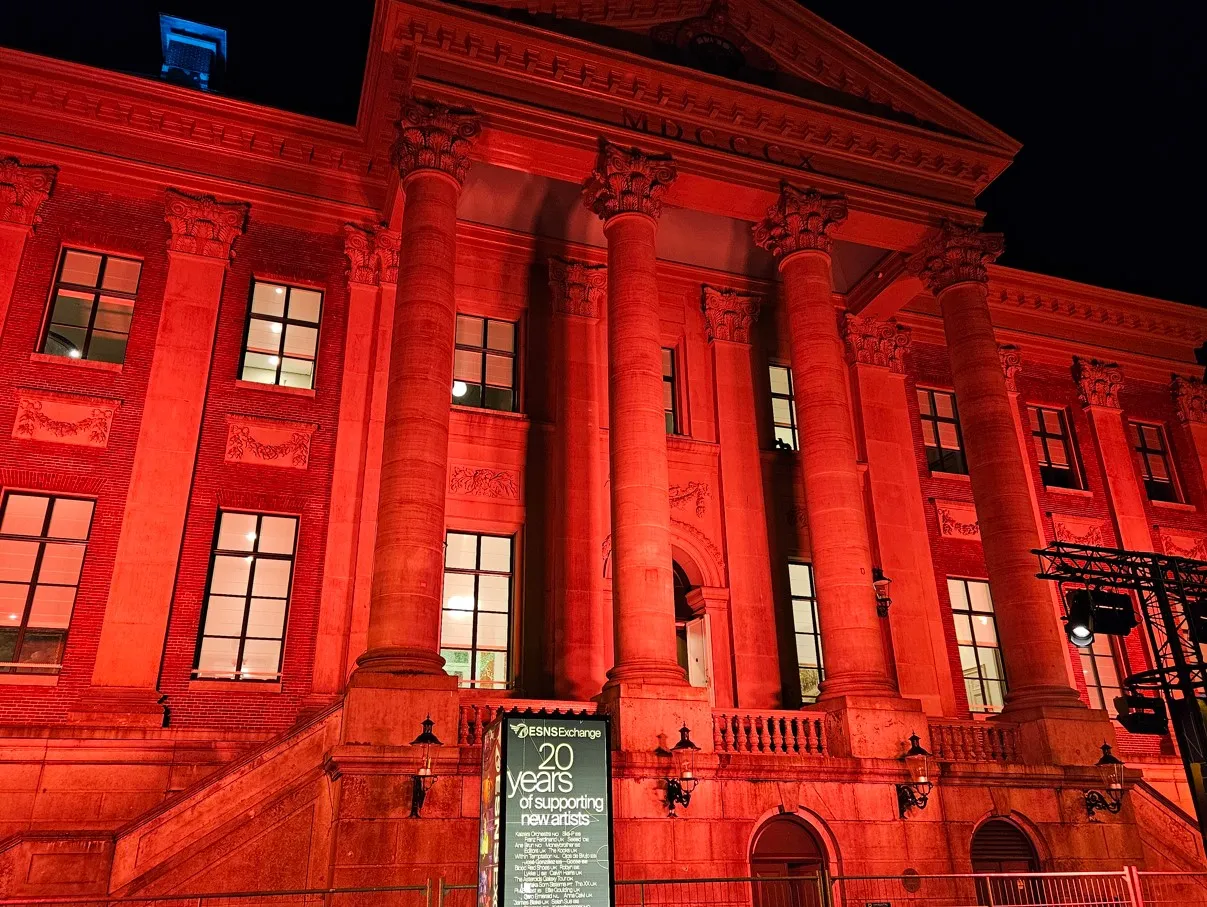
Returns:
(973,741)
(770,733)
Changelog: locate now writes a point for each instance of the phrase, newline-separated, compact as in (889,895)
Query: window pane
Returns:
(467,366)
(500,335)
(81,268)
(260,367)
(65,341)
(785,436)
(494,593)
(461,551)
(224,616)
(264,336)
(107,347)
(492,669)
(121,275)
(492,631)
(12,605)
(113,315)
(470,331)
(983,630)
(300,341)
(304,305)
(1156,464)
(236,531)
(1056,448)
(781,410)
(1033,413)
(810,684)
(297,373)
(800,579)
(456,662)
(779,380)
(457,628)
(271,578)
(276,534)
(947,436)
(230,575)
(217,657)
(268,299)
(24,514)
(61,564)
(459,591)
(963,625)
(978,593)
(924,406)
(802,617)
(261,658)
(990,663)
(499,399)
(943,405)
(668,363)
(955,591)
(996,691)
(496,553)
(43,647)
(499,370)
(17,560)
(52,607)
(72,309)
(806,650)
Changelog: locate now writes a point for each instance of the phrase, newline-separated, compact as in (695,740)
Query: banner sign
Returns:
(545,838)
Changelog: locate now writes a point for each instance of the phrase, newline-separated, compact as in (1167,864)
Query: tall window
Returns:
(1053,447)
(976,634)
(92,307)
(1101,672)
(808,631)
(670,391)
(484,367)
(251,573)
(282,335)
(1149,441)
(941,431)
(475,627)
(42,544)
(783,408)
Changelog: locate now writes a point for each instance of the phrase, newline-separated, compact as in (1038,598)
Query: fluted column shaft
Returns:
(408,566)
(624,191)
(1033,645)
(852,640)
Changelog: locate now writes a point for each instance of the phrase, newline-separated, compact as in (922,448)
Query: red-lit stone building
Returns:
(724,344)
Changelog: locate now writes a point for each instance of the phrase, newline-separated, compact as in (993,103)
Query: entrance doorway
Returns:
(999,846)
(785,859)
(691,634)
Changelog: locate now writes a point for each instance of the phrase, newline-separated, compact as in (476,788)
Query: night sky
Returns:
(1106,98)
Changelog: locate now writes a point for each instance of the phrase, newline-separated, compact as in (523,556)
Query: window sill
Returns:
(30,680)
(1077,492)
(114,367)
(275,388)
(201,685)
(487,411)
(953,476)
(1176,505)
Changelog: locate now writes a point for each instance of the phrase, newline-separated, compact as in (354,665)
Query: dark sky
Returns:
(1106,98)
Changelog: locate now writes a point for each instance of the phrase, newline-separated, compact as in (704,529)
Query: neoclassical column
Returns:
(625,191)
(580,631)
(796,231)
(23,190)
(432,155)
(917,622)
(1098,387)
(124,679)
(953,267)
(1190,401)
(728,316)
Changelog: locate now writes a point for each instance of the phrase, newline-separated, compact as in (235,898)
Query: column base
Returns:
(647,672)
(1027,698)
(872,727)
(640,712)
(1059,735)
(400,660)
(868,686)
(385,709)
(120,707)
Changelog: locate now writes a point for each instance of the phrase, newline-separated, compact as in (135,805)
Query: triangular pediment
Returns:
(773,44)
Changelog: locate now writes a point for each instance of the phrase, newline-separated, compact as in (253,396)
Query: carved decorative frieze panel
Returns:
(64,418)
(268,442)
(484,483)
(958,520)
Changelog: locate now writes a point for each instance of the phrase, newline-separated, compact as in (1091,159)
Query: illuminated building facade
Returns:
(726,347)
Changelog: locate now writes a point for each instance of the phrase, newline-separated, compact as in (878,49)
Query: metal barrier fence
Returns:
(783,891)
(1090,889)
(381,896)
(1172,889)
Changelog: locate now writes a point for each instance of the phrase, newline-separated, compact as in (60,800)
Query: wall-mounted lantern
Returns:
(422,781)
(683,780)
(916,793)
(1110,768)
(880,584)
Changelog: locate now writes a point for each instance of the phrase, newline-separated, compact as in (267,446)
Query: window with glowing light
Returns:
(43,539)
(808,631)
(783,408)
(475,625)
(92,307)
(1150,443)
(1100,668)
(976,636)
(1053,447)
(484,364)
(670,391)
(282,335)
(247,597)
(941,431)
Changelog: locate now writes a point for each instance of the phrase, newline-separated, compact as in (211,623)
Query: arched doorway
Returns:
(786,849)
(1000,846)
(691,633)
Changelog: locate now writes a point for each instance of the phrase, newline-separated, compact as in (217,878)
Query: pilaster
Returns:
(1190,400)
(24,188)
(203,231)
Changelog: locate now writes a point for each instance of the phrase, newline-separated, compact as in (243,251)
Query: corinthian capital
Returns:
(628,181)
(1098,383)
(872,342)
(433,136)
(386,245)
(202,225)
(801,219)
(358,247)
(959,254)
(1012,363)
(1190,398)
(729,314)
(578,288)
(23,189)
